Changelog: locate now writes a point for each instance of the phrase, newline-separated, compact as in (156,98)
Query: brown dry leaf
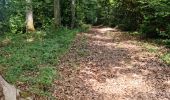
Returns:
(111,65)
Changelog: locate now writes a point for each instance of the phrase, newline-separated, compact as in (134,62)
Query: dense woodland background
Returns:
(34,33)
(149,17)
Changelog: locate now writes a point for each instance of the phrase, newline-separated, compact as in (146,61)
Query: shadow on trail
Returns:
(111,70)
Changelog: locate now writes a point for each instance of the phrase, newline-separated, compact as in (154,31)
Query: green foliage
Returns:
(148,29)
(151,17)
(150,47)
(12,16)
(84,27)
(16,24)
(166,57)
(43,13)
(66,12)
(46,76)
(3,17)
(168,30)
(31,59)
(128,14)
(165,42)
(156,18)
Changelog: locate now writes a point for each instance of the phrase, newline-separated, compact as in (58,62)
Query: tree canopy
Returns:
(150,17)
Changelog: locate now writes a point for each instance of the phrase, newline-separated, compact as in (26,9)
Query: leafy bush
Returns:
(128,14)
(148,29)
(151,17)
(17,24)
(156,17)
(85,27)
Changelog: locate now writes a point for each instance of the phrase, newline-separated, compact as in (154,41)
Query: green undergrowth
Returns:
(166,43)
(150,47)
(29,60)
(153,46)
(166,58)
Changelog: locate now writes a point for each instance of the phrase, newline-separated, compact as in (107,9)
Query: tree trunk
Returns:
(73,6)
(57,16)
(7,91)
(29,17)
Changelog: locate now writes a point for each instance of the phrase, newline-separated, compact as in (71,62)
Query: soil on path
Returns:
(105,64)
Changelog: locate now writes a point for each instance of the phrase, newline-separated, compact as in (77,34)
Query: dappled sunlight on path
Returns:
(105,64)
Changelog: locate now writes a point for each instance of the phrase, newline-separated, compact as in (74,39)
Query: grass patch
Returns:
(166,58)
(134,33)
(31,59)
(150,47)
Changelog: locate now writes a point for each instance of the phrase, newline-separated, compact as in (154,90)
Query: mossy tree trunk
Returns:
(57,15)
(29,16)
(73,6)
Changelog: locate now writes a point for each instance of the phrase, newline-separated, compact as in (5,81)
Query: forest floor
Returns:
(107,64)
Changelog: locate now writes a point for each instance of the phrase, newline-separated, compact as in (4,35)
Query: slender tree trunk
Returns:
(57,16)
(73,6)
(29,17)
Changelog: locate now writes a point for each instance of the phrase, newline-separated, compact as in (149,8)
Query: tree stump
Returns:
(7,91)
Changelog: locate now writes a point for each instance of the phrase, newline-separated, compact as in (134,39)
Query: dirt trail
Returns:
(105,64)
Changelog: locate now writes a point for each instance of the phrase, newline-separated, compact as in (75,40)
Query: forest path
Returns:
(106,64)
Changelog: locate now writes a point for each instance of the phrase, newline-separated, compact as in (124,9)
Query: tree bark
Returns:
(57,15)
(29,17)
(7,91)
(73,6)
